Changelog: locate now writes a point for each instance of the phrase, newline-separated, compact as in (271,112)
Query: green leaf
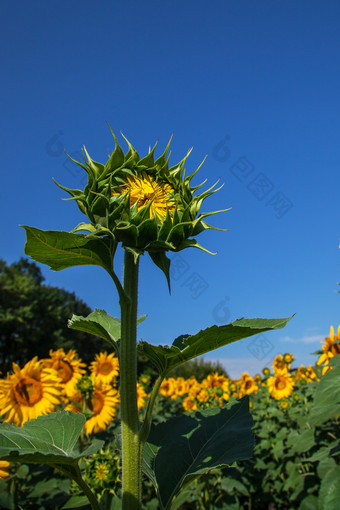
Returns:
(100,323)
(309,503)
(194,444)
(186,348)
(303,442)
(325,466)
(60,250)
(162,261)
(327,395)
(76,502)
(48,439)
(329,495)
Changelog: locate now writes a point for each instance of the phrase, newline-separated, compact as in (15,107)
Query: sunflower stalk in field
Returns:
(146,207)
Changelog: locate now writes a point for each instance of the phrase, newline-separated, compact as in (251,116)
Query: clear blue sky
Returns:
(252,85)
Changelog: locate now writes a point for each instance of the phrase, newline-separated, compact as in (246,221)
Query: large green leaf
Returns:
(327,395)
(60,250)
(100,323)
(329,494)
(186,348)
(48,439)
(182,448)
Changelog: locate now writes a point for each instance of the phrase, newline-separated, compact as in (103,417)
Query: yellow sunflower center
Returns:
(105,368)
(144,191)
(96,403)
(28,391)
(64,369)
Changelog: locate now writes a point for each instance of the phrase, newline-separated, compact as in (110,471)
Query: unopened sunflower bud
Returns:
(142,203)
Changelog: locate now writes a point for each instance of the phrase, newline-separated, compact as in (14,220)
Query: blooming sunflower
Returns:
(102,403)
(141,396)
(279,364)
(280,385)
(203,396)
(68,366)
(29,392)
(105,367)
(304,374)
(189,404)
(214,380)
(168,387)
(4,465)
(330,348)
(181,387)
(247,385)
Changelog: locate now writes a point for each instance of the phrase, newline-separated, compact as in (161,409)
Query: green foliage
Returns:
(48,439)
(27,306)
(200,368)
(195,444)
(106,201)
(102,324)
(60,250)
(327,396)
(185,348)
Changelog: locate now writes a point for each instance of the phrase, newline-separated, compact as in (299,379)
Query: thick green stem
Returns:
(131,444)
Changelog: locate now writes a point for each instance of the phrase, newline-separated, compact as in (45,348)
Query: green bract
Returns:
(142,203)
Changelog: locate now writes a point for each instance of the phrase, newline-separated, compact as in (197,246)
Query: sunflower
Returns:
(29,392)
(181,386)
(305,374)
(203,396)
(194,387)
(247,385)
(145,379)
(4,465)
(280,385)
(280,365)
(141,396)
(68,366)
(102,403)
(189,404)
(288,358)
(143,203)
(330,349)
(284,404)
(101,473)
(145,191)
(233,387)
(168,387)
(266,371)
(214,380)
(105,368)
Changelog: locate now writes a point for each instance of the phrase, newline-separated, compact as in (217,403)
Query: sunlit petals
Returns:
(29,392)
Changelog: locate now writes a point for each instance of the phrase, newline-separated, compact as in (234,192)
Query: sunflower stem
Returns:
(132,445)
(75,474)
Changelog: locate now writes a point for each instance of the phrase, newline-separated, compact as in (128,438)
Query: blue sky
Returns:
(252,85)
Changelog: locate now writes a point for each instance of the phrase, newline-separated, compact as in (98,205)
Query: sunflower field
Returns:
(296,412)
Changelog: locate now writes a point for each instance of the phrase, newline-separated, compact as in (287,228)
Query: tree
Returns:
(33,317)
